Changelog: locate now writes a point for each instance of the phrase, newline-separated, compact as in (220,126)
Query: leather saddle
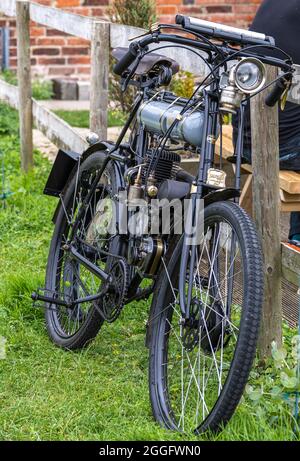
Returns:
(148,62)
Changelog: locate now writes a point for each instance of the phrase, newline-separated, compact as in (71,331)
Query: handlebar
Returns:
(223,31)
(234,34)
(127,59)
(279,88)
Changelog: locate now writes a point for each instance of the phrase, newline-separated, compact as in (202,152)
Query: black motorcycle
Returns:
(205,279)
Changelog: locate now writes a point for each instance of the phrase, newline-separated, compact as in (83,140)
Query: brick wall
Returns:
(234,12)
(57,54)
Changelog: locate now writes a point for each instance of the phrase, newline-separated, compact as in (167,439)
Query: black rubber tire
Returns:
(249,324)
(93,322)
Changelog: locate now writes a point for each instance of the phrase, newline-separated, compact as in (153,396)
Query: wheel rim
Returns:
(70,279)
(196,359)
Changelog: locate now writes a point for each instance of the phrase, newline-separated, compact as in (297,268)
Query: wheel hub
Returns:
(204,324)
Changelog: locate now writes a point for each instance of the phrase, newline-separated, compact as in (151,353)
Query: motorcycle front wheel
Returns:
(198,368)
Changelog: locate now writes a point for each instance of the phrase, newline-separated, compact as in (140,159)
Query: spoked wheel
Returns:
(83,221)
(199,367)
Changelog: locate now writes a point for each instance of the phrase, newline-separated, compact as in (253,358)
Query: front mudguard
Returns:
(221,195)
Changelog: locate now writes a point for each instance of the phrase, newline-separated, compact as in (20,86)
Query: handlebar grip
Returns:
(127,59)
(276,93)
(180,19)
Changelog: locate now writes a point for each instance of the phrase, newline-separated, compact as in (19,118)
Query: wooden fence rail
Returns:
(279,260)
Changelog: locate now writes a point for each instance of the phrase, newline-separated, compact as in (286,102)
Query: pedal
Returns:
(44,296)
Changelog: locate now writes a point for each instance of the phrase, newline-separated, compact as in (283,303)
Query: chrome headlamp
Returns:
(246,77)
(249,75)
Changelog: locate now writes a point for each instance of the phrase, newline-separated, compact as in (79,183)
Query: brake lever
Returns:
(131,73)
(155,27)
(126,81)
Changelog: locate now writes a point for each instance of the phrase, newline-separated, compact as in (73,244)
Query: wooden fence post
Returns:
(24,83)
(265,163)
(100,46)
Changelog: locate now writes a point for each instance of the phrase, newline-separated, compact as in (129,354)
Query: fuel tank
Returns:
(158,116)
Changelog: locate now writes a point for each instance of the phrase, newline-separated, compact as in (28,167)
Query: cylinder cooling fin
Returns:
(166,165)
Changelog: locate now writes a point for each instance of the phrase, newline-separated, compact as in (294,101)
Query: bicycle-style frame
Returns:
(118,154)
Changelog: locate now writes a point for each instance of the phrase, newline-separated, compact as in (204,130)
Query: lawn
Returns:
(100,393)
(81,118)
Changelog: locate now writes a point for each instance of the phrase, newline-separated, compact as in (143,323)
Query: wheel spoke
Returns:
(199,352)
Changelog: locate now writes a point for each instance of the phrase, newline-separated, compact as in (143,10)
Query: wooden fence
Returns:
(103,36)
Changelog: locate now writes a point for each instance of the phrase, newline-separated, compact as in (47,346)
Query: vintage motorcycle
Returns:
(207,291)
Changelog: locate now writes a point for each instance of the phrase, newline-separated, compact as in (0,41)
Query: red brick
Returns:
(212,9)
(80,11)
(63,70)
(51,61)
(79,60)
(169,2)
(37,31)
(100,12)
(95,2)
(217,2)
(66,3)
(46,51)
(167,10)
(75,50)
(71,55)
(166,19)
(12,62)
(51,41)
(191,10)
(77,41)
(245,9)
(83,70)
(55,33)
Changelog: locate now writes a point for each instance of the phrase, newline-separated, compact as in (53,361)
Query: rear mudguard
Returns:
(102,148)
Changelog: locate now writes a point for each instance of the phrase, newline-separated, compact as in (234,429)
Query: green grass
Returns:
(80,118)
(100,393)
(41,89)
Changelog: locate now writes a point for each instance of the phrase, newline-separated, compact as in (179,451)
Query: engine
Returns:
(166,166)
(157,115)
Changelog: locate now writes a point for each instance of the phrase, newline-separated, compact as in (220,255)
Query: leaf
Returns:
(255,395)
(248,389)
(260,412)
(296,339)
(276,391)
(289,382)
(279,354)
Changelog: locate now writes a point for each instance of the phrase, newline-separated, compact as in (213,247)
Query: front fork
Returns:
(187,264)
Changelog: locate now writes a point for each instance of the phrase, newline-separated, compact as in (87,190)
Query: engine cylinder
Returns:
(166,167)
(158,116)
